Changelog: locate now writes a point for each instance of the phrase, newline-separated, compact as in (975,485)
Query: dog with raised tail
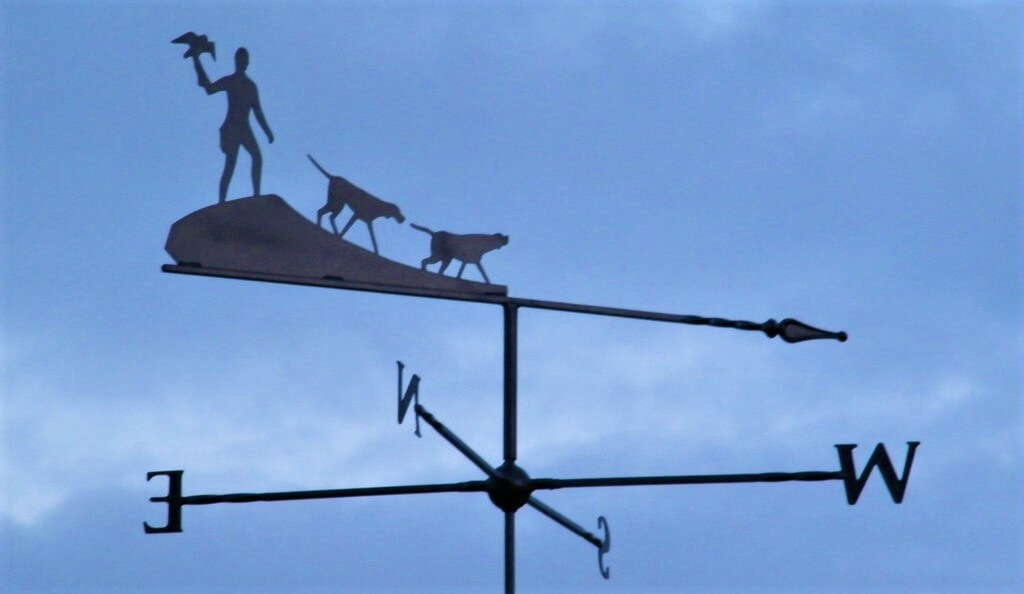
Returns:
(365,206)
(468,249)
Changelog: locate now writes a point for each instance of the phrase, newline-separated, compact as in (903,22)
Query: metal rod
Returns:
(771,328)
(511,340)
(510,552)
(564,521)
(763,477)
(619,312)
(468,486)
(455,441)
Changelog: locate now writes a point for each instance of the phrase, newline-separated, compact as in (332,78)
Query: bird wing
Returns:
(188,38)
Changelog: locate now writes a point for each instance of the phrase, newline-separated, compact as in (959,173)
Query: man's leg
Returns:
(230,156)
(257,164)
(229,146)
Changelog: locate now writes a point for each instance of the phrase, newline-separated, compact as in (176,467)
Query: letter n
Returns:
(854,484)
(412,393)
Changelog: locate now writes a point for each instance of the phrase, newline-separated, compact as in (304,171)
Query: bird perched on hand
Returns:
(197,44)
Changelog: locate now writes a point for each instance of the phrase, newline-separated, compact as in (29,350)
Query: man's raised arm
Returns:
(204,81)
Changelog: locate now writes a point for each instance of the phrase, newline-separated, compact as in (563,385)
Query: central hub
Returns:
(510,488)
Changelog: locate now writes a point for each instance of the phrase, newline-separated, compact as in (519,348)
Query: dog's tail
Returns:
(419,228)
(322,170)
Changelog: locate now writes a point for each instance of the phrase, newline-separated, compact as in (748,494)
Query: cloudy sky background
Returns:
(853,165)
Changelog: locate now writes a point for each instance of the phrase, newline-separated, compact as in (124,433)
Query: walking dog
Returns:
(365,206)
(468,249)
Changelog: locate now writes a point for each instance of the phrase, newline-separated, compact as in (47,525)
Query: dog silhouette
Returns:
(468,249)
(365,206)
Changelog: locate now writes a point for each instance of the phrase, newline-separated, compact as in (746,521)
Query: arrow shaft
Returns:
(619,312)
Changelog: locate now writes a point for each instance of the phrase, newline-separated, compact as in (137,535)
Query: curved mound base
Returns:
(263,234)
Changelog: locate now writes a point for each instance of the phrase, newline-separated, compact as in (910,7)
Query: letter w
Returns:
(854,484)
(411,393)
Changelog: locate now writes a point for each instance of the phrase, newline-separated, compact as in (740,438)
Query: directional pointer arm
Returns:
(692,479)
(175,500)
(603,545)
(467,486)
(564,521)
(456,442)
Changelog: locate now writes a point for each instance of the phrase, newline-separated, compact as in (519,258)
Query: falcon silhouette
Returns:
(197,44)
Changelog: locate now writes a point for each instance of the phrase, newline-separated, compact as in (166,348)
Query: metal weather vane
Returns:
(261,238)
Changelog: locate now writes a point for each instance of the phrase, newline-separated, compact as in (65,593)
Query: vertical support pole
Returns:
(510,552)
(511,330)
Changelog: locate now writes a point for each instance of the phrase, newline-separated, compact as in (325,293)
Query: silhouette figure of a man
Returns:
(235,131)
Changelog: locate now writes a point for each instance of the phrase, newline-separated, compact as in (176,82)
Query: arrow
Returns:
(788,329)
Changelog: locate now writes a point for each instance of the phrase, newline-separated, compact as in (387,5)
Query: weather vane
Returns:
(261,238)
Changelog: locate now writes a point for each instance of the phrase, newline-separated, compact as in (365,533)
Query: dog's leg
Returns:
(461,268)
(444,265)
(320,215)
(333,216)
(481,267)
(369,225)
(348,225)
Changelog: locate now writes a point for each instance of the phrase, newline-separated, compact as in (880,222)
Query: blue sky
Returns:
(853,165)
